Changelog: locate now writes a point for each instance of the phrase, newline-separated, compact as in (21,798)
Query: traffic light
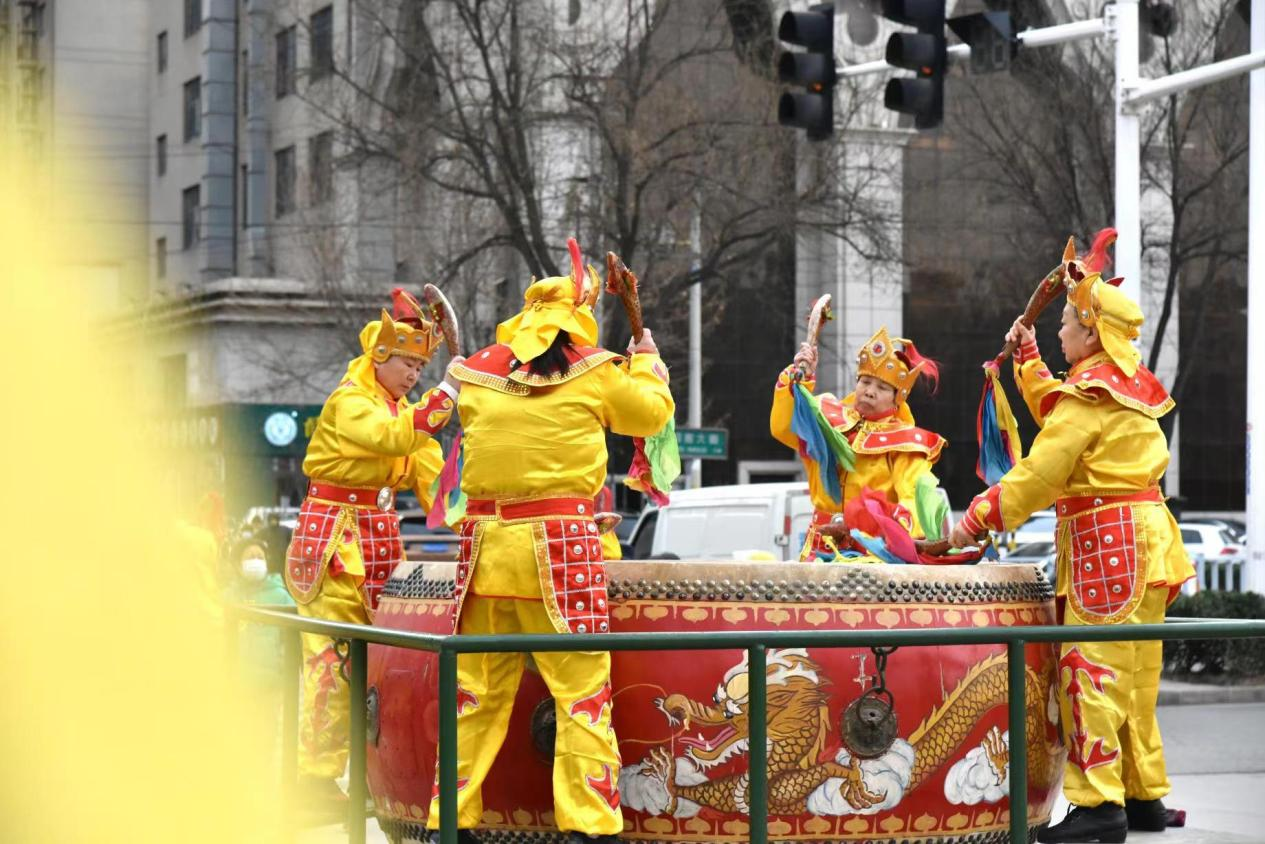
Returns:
(814,69)
(991,36)
(925,52)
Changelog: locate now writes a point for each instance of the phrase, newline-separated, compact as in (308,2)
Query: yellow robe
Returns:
(529,437)
(891,453)
(1098,457)
(363,438)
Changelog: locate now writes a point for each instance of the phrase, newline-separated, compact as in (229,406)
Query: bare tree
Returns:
(1045,146)
(507,125)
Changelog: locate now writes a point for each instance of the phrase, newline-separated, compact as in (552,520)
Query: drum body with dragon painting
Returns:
(940,773)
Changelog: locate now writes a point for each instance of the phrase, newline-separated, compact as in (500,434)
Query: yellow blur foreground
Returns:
(120,721)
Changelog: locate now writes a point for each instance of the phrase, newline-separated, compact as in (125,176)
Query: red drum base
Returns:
(941,775)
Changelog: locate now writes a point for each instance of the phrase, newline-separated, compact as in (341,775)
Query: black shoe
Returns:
(1104,823)
(1146,815)
(464,836)
(581,838)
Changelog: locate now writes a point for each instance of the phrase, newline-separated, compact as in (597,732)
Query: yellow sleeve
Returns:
(1035,382)
(424,466)
(636,400)
(784,408)
(364,420)
(907,468)
(1038,479)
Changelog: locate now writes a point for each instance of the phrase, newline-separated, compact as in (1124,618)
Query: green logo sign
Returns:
(706,443)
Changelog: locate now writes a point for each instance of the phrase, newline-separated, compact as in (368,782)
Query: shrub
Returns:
(1217,660)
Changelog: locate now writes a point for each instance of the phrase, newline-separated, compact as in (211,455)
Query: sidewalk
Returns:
(1177,693)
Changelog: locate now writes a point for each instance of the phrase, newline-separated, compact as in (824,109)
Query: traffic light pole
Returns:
(1254,577)
(1043,37)
(1120,21)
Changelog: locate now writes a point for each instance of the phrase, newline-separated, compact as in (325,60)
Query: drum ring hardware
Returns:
(868,725)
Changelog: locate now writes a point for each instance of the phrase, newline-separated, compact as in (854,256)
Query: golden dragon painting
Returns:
(799,732)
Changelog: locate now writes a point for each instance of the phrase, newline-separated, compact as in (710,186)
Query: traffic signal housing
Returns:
(925,52)
(813,68)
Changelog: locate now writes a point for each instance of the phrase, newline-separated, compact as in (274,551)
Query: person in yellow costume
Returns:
(1098,459)
(892,453)
(369,442)
(534,411)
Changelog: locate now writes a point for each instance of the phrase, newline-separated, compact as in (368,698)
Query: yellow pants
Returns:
(1108,708)
(326,718)
(586,756)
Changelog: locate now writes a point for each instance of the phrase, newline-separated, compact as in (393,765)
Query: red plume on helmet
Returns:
(1097,259)
(930,369)
(405,308)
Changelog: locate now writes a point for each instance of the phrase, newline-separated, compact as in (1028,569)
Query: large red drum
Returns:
(839,770)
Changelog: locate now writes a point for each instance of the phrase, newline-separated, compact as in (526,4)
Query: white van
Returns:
(725,523)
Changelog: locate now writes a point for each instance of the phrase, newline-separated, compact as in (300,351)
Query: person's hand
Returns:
(1025,341)
(450,378)
(644,346)
(1020,334)
(806,359)
(960,536)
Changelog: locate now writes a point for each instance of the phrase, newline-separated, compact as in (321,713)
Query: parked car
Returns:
(423,543)
(724,522)
(1212,541)
(1236,528)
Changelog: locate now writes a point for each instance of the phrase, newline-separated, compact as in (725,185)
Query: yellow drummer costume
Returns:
(892,453)
(1098,459)
(366,446)
(531,559)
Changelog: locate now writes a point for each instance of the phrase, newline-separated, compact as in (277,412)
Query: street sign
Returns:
(703,443)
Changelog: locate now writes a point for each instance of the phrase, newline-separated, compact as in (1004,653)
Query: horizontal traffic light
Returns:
(924,53)
(812,112)
(920,14)
(813,30)
(812,70)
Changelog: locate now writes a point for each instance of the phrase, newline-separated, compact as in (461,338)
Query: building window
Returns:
(322,24)
(160,257)
(193,109)
(245,195)
(162,51)
(192,17)
(190,201)
(285,62)
(320,162)
(285,180)
(160,154)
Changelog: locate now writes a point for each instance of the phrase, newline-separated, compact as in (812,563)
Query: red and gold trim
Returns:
(1073,506)
(984,512)
(1027,351)
(1142,392)
(493,367)
(529,509)
(885,439)
(433,411)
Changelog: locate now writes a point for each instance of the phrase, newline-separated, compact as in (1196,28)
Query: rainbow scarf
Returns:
(995,430)
(450,502)
(655,465)
(819,441)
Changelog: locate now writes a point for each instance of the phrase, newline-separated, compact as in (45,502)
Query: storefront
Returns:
(252,454)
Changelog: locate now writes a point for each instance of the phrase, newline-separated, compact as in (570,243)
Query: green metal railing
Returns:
(754,642)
